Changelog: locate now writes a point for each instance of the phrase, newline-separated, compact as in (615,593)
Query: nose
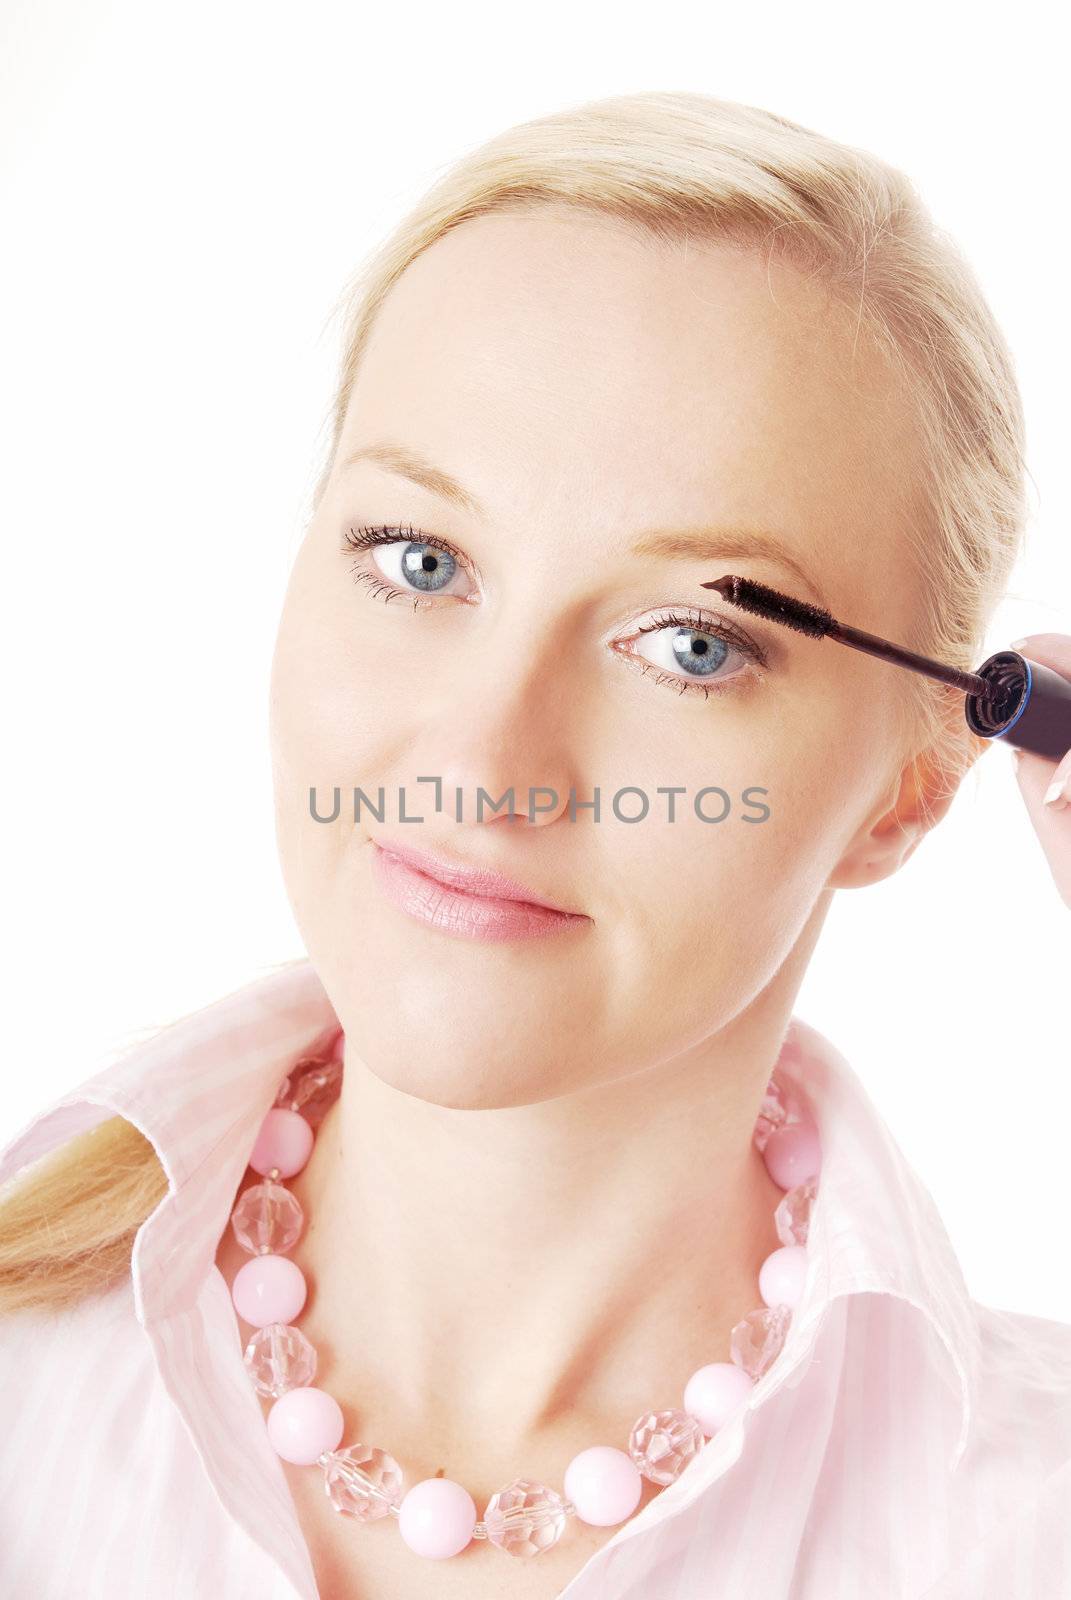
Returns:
(500,745)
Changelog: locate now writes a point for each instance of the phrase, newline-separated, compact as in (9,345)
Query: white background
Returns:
(185,192)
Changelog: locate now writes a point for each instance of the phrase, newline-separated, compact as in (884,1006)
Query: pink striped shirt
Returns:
(907,1442)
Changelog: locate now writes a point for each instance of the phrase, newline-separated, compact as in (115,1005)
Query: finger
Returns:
(1058,793)
(1052,824)
(1051,649)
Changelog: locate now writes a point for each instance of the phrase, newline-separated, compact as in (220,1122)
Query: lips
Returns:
(479,881)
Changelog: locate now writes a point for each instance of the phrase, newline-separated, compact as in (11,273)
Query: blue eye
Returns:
(696,653)
(421,566)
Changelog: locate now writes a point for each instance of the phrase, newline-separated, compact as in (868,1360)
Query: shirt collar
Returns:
(200,1088)
(875,1227)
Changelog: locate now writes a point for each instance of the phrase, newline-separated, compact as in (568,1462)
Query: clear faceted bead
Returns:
(524,1518)
(267,1219)
(772,1114)
(280,1358)
(779,1109)
(362,1481)
(310,1088)
(755,1343)
(663,1442)
(792,1219)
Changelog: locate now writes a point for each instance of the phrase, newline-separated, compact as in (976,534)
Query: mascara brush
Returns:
(1010,698)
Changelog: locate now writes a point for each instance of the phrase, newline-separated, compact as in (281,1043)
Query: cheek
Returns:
(333,726)
(330,701)
(751,878)
(725,904)
(306,742)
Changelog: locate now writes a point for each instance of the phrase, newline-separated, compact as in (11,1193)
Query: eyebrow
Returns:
(686,544)
(407,464)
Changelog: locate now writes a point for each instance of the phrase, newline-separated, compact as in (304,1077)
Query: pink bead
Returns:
(338,1048)
(793,1154)
(714,1392)
(437,1517)
(284,1141)
(269,1289)
(303,1423)
(604,1484)
(781,1275)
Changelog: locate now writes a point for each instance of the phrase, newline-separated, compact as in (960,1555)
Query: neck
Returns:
(489,1287)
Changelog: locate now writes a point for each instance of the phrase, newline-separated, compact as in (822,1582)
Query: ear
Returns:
(914,803)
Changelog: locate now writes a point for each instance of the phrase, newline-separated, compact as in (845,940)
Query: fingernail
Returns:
(1017,644)
(1056,794)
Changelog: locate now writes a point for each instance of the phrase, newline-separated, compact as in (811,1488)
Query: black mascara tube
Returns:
(1031,708)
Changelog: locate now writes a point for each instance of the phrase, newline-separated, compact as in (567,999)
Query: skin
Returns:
(536,1207)
(1046,785)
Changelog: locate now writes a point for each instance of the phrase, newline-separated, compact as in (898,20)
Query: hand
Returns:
(1046,785)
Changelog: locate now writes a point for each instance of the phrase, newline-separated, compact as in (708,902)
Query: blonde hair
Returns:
(679,166)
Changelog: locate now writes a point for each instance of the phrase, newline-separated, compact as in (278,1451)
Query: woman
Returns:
(610,1261)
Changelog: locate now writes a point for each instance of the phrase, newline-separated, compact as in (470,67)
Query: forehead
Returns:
(554,358)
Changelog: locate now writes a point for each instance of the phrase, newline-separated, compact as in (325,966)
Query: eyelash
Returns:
(364,538)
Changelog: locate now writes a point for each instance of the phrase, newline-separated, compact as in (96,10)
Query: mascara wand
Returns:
(1007,693)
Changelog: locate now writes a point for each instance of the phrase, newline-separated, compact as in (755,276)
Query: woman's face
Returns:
(590,390)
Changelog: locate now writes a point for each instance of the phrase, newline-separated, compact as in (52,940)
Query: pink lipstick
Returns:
(473,902)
